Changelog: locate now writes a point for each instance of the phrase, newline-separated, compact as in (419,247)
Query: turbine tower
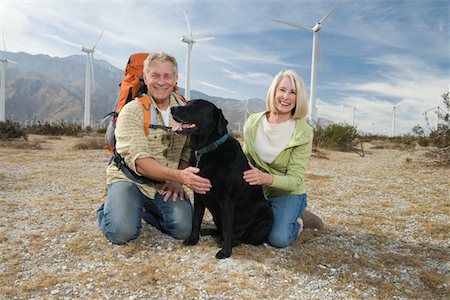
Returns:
(393,118)
(89,80)
(315,48)
(4,62)
(189,40)
(353,115)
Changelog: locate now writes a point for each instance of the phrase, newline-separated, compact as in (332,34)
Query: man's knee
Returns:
(179,223)
(122,234)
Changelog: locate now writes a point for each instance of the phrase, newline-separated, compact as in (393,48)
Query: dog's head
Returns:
(201,119)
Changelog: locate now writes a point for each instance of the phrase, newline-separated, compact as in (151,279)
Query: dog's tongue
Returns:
(181,126)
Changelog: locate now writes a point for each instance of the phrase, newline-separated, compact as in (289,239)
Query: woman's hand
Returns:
(254,176)
(173,189)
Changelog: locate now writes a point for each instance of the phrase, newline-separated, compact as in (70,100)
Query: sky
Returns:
(374,53)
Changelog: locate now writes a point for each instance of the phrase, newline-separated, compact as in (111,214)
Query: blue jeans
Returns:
(286,210)
(119,218)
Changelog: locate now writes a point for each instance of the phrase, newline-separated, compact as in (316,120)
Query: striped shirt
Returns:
(165,147)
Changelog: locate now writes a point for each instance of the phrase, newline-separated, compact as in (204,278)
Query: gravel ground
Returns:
(386,219)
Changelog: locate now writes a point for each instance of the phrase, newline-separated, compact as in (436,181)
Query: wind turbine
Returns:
(4,62)
(189,40)
(315,48)
(247,113)
(393,117)
(353,115)
(89,79)
(436,111)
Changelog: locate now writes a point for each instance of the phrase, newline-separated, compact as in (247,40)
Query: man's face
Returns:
(160,80)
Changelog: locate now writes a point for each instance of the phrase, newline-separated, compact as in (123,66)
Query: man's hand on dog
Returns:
(173,189)
(189,178)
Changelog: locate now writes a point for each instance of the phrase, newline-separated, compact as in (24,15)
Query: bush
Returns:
(60,128)
(10,130)
(336,136)
(441,137)
(91,143)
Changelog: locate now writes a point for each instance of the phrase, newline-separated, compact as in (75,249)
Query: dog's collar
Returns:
(213,146)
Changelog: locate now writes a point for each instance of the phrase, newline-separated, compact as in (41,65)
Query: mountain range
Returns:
(48,89)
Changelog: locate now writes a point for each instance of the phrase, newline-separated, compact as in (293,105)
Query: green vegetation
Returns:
(336,136)
(59,128)
(10,130)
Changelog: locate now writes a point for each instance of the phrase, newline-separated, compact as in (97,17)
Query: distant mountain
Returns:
(44,88)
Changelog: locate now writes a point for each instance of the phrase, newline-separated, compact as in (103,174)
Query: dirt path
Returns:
(387,219)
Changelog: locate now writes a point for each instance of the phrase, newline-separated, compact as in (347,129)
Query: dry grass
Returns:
(386,237)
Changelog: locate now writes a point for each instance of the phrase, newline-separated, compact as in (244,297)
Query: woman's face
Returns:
(285,96)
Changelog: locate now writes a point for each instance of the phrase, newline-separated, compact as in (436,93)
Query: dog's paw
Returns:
(222,254)
(191,241)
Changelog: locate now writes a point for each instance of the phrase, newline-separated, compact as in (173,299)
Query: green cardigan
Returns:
(289,167)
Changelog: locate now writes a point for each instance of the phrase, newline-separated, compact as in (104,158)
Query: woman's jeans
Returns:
(286,210)
(120,216)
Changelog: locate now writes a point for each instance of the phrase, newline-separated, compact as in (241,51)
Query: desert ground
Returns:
(386,234)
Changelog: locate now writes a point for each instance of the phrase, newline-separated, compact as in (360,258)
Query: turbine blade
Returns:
(298,26)
(2,30)
(204,39)
(188,23)
(95,45)
(324,18)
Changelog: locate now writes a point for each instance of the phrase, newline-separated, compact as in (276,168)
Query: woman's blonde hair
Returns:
(301,106)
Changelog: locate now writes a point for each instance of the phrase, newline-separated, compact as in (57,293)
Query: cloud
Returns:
(216,87)
(256,78)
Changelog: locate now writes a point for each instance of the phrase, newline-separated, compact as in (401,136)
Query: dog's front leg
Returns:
(227,228)
(199,211)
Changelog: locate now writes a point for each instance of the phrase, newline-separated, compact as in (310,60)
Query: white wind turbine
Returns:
(189,40)
(4,62)
(353,115)
(89,80)
(436,109)
(315,48)
(394,107)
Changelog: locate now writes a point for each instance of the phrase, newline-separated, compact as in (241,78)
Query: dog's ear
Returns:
(222,124)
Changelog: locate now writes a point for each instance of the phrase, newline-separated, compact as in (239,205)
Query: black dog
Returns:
(240,211)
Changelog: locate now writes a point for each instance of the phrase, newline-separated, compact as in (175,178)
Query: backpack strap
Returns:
(149,110)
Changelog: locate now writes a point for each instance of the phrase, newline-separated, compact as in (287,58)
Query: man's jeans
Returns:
(120,216)
(286,210)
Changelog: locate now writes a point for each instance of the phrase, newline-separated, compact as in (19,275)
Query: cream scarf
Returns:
(271,139)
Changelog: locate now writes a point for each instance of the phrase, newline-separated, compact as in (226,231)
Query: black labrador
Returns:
(239,210)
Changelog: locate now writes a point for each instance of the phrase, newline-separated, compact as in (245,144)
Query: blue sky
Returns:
(376,53)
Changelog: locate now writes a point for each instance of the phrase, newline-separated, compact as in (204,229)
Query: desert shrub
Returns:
(101,130)
(336,136)
(441,137)
(423,141)
(22,144)
(10,130)
(91,143)
(236,134)
(58,128)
